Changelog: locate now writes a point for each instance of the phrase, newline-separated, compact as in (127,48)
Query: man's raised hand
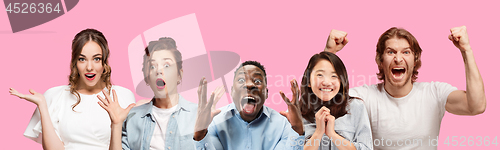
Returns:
(460,38)
(294,115)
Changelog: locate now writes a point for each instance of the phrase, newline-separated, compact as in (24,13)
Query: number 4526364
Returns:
(25,8)
(470,141)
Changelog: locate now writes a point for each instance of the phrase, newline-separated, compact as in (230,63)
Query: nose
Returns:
(327,82)
(249,85)
(159,71)
(398,58)
(90,66)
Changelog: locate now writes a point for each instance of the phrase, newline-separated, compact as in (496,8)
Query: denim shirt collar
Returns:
(183,105)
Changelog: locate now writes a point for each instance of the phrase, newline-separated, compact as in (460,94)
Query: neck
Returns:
(251,118)
(168,102)
(89,90)
(398,91)
(328,104)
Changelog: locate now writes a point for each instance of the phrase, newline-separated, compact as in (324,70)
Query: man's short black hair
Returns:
(255,63)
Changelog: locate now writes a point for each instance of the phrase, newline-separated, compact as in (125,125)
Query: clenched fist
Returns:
(336,41)
(460,38)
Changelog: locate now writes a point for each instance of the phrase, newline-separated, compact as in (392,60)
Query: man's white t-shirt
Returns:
(161,116)
(409,122)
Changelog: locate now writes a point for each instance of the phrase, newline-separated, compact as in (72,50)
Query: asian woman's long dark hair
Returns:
(310,103)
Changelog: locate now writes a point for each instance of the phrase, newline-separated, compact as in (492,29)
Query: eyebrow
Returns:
(92,56)
(259,74)
(256,73)
(323,71)
(390,48)
(153,60)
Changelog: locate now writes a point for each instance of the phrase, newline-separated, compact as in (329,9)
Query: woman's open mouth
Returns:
(160,83)
(90,76)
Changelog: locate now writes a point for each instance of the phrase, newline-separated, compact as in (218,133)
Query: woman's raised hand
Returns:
(116,113)
(33,97)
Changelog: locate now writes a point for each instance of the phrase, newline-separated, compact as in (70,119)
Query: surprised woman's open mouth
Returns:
(160,83)
(90,76)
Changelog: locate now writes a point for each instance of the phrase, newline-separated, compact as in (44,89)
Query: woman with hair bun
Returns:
(167,121)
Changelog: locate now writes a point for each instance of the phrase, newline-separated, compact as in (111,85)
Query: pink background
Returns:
(282,35)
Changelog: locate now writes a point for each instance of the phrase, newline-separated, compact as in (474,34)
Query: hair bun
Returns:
(169,42)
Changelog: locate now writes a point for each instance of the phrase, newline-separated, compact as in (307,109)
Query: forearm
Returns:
(314,142)
(199,135)
(330,49)
(204,141)
(116,137)
(50,140)
(343,144)
(299,129)
(476,98)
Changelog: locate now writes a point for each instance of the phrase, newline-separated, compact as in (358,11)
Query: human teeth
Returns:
(326,90)
(249,98)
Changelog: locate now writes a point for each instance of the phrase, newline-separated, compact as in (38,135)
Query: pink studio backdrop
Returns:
(282,35)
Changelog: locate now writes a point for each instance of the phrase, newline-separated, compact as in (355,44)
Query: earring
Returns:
(178,82)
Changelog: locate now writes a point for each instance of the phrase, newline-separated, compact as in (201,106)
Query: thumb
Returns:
(284,113)
(32,91)
(450,37)
(345,41)
(129,107)
(215,112)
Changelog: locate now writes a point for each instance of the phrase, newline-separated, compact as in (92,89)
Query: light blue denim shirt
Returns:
(269,131)
(138,128)
(353,126)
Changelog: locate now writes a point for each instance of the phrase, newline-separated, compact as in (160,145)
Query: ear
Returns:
(379,65)
(309,82)
(232,92)
(181,72)
(146,79)
(379,60)
(267,91)
(106,68)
